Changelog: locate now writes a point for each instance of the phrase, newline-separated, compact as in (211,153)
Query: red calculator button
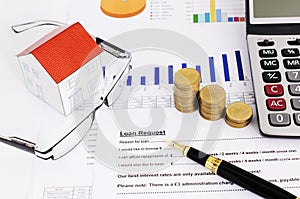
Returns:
(273,90)
(276,104)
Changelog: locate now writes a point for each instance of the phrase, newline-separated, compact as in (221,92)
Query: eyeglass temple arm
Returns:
(33,24)
(19,143)
(108,47)
(112,49)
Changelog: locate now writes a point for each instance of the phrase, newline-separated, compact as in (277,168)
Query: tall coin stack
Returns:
(212,102)
(186,88)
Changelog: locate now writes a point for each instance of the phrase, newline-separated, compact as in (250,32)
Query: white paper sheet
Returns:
(68,177)
(133,159)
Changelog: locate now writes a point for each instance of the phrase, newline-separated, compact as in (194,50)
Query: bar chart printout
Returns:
(210,11)
(224,68)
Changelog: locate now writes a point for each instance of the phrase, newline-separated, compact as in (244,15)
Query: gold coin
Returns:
(211,117)
(236,125)
(212,95)
(213,109)
(186,102)
(194,88)
(186,77)
(239,112)
(184,109)
(184,93)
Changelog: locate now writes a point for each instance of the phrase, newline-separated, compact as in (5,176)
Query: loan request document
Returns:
(138,163)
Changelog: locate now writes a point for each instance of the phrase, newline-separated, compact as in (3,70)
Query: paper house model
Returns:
(63,67)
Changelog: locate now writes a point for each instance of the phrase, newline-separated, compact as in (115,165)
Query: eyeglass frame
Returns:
(106,46)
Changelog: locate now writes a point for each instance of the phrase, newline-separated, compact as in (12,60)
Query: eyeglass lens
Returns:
(118,71)
(75,135)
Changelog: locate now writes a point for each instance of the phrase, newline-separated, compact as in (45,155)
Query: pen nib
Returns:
(176,145)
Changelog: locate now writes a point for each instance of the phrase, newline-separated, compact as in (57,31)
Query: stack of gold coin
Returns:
(238,114)
(212,102)
(186,88)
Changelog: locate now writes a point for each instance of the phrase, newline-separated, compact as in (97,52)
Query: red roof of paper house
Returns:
(64,50)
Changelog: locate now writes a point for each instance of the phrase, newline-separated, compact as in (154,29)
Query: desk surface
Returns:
(17,166)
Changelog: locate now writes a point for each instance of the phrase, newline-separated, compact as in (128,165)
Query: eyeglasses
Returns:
(120,67)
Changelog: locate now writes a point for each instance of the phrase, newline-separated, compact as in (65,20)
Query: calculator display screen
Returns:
(274,11)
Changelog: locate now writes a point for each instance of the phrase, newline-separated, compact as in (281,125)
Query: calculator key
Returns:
(274,90)
(291,63)
(279,119)
(293,76)
(295,104)
(290,52)
(294,89)
(294,42)
(276,104)
(269,64)
(266,42)
(297,118)
(271,77)
(267,53)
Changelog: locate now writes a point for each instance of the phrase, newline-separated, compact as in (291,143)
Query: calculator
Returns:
(273,38)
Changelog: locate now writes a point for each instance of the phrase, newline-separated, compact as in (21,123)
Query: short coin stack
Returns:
(238,114)
(186,88)
(212,102)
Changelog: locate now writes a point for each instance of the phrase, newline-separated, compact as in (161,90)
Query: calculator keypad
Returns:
(281,75)
(275,62)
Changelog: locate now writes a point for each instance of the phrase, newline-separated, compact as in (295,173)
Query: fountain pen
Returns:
(233,173)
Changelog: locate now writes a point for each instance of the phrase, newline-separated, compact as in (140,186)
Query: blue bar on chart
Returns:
(156,75)
(103,71)
(170,74)
(212,69)
(114,76)
(225,67)
(207,17)
(219,15)
(183,65)
(143,80)
(230,19)
(198,68)
(129,80)
(239,65)
(201,18)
